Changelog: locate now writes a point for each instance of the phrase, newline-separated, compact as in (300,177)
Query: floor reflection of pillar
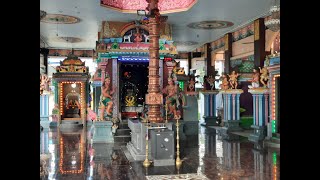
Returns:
(259,161)
(231,155)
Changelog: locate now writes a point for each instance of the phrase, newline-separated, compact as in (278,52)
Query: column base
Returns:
(164,162)
(137,154)
(102,132)
(53,124)
(229,136)
(210,121)
(232,125)
(259,133)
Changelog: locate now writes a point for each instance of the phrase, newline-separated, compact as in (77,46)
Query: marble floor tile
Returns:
(70,155)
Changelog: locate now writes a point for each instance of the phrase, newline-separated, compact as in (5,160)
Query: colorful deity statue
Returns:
(106,103)
(264,76)
(225,83)
(56,113)
(172,101)
(233,79)
(255,79)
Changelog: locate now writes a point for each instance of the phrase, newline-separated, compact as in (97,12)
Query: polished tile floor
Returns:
(69,155)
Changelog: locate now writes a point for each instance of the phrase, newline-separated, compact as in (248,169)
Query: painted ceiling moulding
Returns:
(66,52)
(60,19)
(131,6)
(238,34)
(116,29)
(69,39)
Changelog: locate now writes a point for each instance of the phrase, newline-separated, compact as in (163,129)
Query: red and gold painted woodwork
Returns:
(115,29)
(131,6)
(66,52)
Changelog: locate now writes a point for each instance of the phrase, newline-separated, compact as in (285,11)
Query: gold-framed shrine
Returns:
(71,79)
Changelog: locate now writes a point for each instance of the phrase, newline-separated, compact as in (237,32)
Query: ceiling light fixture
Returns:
(274,23)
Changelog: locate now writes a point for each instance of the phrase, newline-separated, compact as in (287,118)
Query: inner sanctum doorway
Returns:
(133,86)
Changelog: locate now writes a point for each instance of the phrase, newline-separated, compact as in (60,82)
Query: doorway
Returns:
(133,84)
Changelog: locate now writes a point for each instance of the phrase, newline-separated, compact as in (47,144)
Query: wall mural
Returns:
(243,33)
(218,44)
(244,64)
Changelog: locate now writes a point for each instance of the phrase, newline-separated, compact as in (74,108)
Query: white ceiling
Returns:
(92,14)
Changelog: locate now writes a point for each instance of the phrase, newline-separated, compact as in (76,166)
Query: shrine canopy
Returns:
(131,6)
(72,64)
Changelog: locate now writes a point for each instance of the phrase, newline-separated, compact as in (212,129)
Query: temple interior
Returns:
(150,89)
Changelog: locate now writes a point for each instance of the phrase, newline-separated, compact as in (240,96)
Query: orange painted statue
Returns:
(225,83)
(233,79)
(264,76)
(138,36)
(172,98)
(255,79)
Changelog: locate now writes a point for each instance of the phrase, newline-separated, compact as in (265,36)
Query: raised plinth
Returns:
(231,110)
(190,111)
(137,145)
(260,113)
(102,132)
(259,133)
(210,109)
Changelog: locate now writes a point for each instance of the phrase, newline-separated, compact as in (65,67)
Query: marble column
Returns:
(260,113)
(210,109)
(231,110)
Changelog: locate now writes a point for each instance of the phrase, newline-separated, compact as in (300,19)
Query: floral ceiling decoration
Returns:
(60,19)
(210,24)
(69,39)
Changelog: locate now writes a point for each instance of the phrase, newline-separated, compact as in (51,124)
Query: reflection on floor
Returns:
(70,155)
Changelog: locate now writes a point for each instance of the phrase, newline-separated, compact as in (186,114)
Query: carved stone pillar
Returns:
(154,98)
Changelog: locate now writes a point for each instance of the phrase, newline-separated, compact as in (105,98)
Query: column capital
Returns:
(232,91)
(259,90)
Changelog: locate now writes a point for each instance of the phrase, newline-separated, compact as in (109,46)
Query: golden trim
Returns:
(131,26)
(232,91)
(256,29)
(226,43)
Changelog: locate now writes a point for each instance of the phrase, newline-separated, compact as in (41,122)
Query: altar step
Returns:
(123,133)
(70,124)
